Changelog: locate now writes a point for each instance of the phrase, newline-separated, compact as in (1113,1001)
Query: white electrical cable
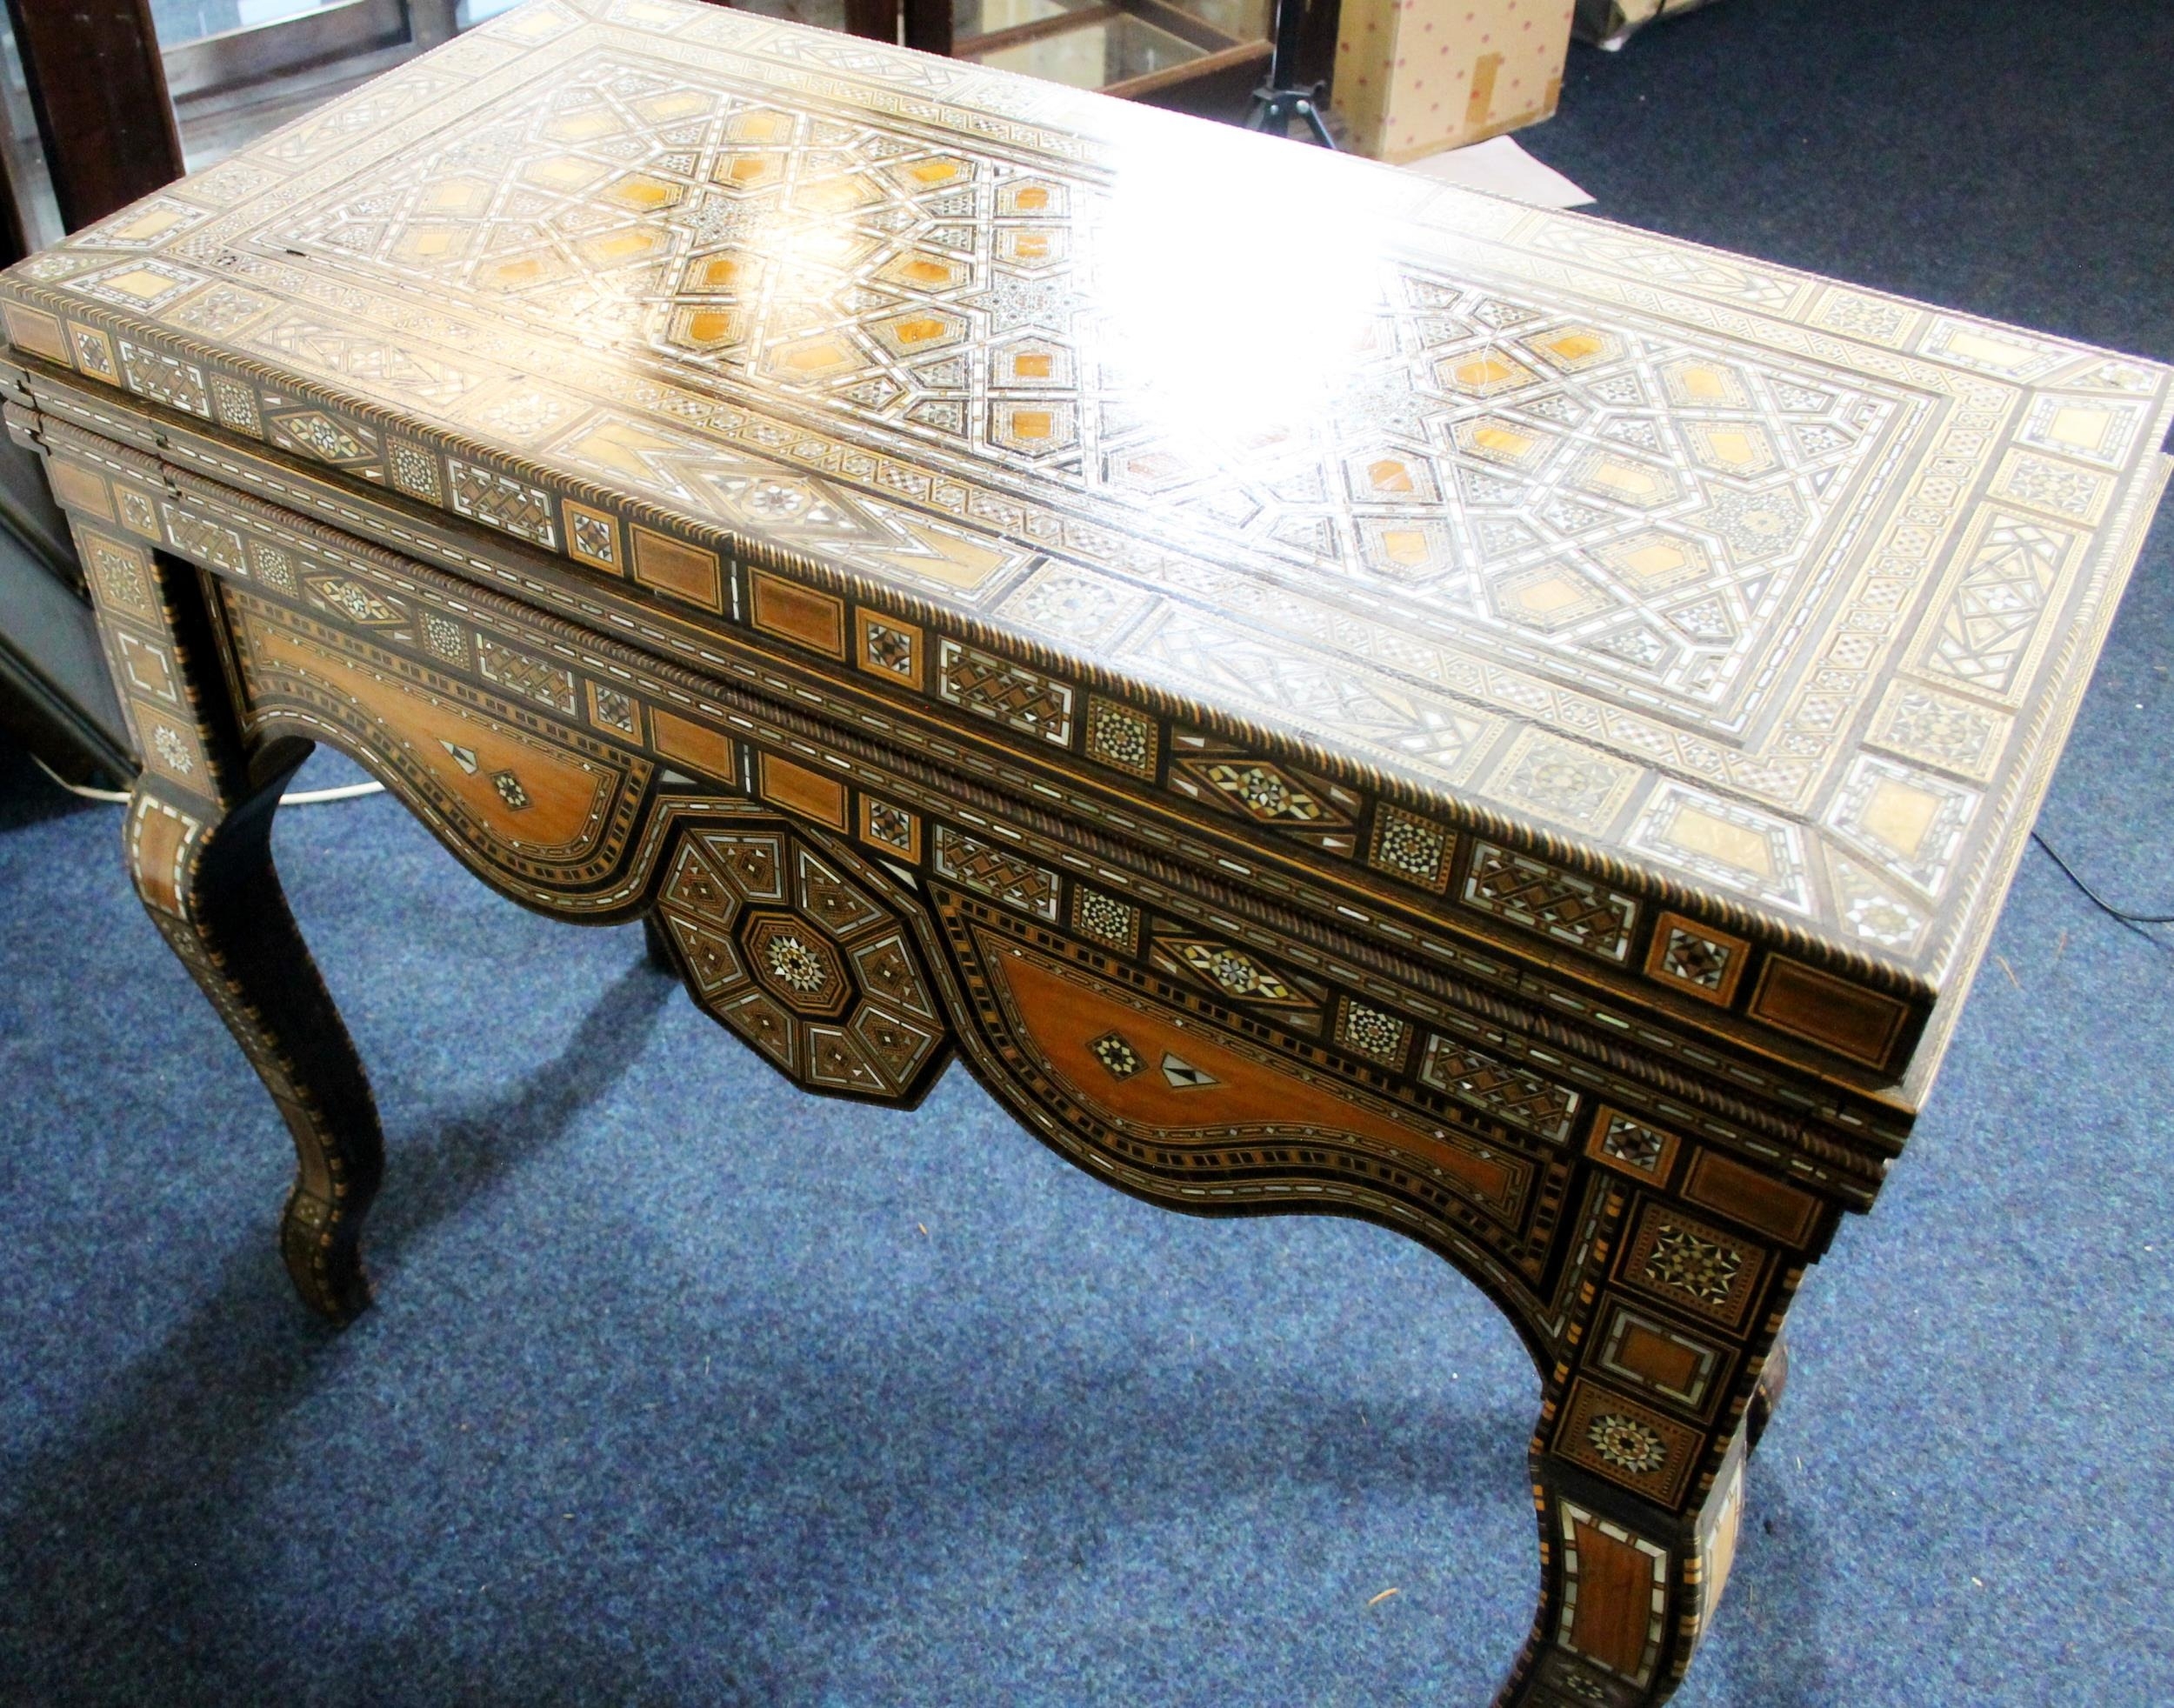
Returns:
(346,791)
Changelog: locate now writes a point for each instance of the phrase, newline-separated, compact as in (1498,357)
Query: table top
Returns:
(1731,588)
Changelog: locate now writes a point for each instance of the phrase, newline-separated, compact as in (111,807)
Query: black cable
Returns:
(2122,917)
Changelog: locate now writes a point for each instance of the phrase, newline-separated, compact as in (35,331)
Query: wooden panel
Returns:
(707,753)
(160,835)
(1829,1012)
(1614,1599)
(519,788)
(797,613)
(799,790)
(672,566)
(37,331)
(1175,1082)
(1658,1356)
(99,90)
(1757,1200)
(81,489)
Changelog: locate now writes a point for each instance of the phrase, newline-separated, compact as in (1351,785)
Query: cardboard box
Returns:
(1416,76)
(1610,23)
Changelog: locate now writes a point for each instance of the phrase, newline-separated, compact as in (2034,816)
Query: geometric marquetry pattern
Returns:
(1415,848)
(1118,735)
(1381,1037)
(1515,887)
(1265,793)
(996,872)
(1105,919)
(1236,972)
(1627,1443)
(530,678)
(354,600)
(892,827)
(1008,694)
(1694,959)
(220,547)
(1620,542)
(172,751)
(1634,1147)
(1684,1260)
(1692,1265)
(801,962)
(1508,1092)
(119,575)
(1990,626)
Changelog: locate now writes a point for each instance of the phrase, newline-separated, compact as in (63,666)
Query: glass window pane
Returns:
(1096,55)
(473,12)
(823,14)
(179,21)
(1241,20)
(985,17)
(21,153)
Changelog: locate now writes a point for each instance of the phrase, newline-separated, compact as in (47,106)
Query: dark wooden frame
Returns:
(1227,62)
(99,87)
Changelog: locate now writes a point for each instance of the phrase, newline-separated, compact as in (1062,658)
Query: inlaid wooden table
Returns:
(1329,693)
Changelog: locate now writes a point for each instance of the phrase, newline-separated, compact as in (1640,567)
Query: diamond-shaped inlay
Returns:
(1117,1055)
(1234,971)
(1265,793)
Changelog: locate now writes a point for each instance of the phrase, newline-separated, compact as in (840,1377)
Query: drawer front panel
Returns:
(544,803)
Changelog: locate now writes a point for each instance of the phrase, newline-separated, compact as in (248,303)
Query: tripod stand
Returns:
(1279,100)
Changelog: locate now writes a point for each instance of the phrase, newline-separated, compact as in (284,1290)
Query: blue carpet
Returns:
(682,1389)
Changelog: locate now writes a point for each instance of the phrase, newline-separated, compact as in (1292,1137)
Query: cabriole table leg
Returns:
(208,884)
(197,840)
